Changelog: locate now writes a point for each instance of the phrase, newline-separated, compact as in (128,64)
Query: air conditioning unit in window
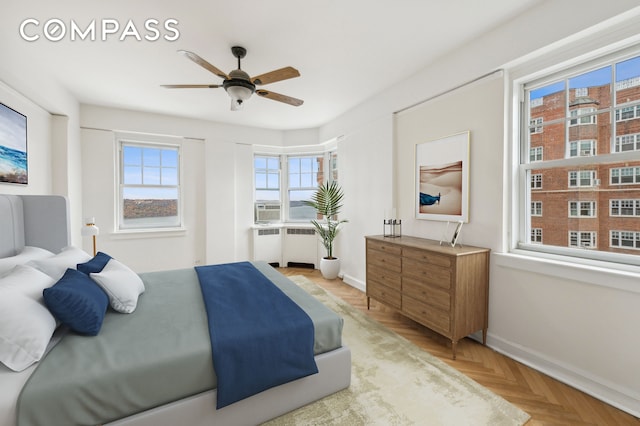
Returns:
(267,212)
(585,152)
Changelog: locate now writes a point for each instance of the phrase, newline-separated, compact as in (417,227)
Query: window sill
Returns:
(592,272)
(149,233)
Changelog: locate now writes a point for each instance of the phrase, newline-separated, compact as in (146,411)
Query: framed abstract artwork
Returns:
(13,146)
(442,179)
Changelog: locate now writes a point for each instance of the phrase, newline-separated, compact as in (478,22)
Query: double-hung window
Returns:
(586,119)
(149,185)
(305,173)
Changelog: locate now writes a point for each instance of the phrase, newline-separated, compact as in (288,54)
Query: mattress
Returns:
(127,368)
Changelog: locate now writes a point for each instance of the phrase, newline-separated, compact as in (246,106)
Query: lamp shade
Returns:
(90,228)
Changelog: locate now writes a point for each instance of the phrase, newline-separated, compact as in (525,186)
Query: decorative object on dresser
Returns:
(327,201)
(441,287)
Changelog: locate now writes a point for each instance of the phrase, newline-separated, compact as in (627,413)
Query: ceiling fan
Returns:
(238,84)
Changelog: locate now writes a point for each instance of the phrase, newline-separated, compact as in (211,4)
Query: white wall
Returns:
(561,323)
(217,171)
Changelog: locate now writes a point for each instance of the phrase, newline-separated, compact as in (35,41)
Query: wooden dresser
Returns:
(441,287)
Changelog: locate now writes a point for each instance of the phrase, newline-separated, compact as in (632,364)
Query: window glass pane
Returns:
(261,180)
(132,155)
(151,157)
(260,162)
(545,143)
(273,163)
(169,158)
(297,209)
(592,89)
(143,207)
(151,175)
(628,81)
(132,175)
(273,180)
(169,176)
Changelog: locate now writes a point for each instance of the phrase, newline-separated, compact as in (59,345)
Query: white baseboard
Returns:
(355,283)
(625,399)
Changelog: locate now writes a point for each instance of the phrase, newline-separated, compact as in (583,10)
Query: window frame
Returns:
(149,142)
(526,76)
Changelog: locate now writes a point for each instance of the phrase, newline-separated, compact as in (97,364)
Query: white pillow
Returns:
(57,265)
(122,285)
(26,326)
(26,280)
(28,253)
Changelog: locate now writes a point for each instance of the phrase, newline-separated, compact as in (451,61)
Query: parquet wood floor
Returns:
(548,401)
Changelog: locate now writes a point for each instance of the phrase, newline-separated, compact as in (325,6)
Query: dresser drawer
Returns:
(427,257)
(384,247)
(426,315)
(384,294)
(384,276)
(427,273)
(431,295)
(384,260)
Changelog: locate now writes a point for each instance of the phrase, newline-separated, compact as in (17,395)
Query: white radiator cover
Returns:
(267,244)
(300,245)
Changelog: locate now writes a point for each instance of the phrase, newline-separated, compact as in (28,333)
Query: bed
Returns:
(41,223)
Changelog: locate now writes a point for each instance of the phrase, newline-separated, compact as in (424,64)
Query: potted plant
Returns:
(327,201)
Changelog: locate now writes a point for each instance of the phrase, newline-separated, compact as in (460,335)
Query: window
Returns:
(589,114)
(582,178)
(582,148)
(627,143)
(625,175)
(535,125)
(536,235)
(305,174)
(625,239)
(535,154)
(582,239)
(582,208)
(149,186)
(624,207)
(536,181)
(582,116)
(536,208)
(628,113)
(267,178)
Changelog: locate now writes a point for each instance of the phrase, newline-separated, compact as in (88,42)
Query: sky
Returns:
(624,70)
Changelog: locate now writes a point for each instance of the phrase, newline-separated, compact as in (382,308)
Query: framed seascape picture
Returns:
(13,146)
(442,179)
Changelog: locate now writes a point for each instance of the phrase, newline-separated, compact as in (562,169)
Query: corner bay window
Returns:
(586,120)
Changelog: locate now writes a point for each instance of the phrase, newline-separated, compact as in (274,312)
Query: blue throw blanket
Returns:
(260,338)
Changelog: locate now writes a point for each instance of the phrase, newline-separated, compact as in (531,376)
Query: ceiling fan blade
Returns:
(277,75)
(280,98)
(191,86)
(204,64)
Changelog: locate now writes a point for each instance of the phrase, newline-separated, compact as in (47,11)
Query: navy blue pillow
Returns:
(95,265)
(78,302)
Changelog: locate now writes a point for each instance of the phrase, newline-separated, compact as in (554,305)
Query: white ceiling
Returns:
(346,51)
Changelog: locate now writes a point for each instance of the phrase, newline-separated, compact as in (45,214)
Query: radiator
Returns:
(267,245)
(300,246)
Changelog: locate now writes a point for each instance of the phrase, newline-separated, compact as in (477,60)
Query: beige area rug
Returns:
(394,382)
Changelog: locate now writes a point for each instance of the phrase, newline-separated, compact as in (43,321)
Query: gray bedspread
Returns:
(158,354)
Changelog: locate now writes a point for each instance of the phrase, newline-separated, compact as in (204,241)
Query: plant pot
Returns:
(329,268)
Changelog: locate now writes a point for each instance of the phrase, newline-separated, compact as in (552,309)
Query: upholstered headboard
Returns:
(33,220)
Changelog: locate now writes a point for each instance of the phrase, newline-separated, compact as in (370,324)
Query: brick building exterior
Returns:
(594,205)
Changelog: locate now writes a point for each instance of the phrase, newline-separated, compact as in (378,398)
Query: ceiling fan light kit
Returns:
(238,85)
